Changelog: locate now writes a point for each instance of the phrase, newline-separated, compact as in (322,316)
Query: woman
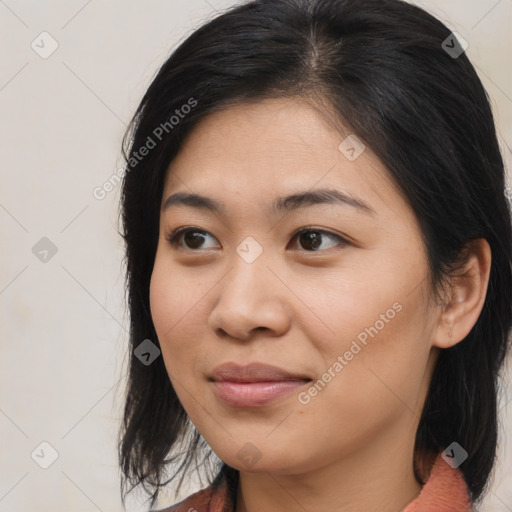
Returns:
(318,250)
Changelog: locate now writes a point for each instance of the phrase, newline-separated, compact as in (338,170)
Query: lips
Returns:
(254,372)
(254,385)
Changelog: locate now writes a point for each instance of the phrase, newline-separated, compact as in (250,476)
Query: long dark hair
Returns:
(384,69)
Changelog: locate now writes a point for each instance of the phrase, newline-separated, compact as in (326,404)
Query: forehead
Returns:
(255,152)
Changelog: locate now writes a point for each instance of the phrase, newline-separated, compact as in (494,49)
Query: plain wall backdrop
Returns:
(71,76)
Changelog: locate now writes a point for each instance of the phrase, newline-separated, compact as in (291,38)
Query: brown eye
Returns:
(193,238)
(311,239)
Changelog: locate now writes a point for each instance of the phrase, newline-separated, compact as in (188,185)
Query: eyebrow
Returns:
(279,205)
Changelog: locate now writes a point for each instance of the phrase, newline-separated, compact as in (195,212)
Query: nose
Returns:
(250,299)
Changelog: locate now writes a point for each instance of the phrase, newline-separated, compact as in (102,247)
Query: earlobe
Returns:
(465,296)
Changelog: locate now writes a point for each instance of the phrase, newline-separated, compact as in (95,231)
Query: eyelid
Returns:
(342,239)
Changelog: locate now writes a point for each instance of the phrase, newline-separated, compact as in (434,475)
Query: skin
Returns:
(350,448)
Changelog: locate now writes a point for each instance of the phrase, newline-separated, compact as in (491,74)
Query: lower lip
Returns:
(254,394)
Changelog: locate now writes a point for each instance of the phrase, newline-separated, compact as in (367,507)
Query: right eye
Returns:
(193,237)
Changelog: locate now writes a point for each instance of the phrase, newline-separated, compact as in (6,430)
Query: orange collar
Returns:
(444,491)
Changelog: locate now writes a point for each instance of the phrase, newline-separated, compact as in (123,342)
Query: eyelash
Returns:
(173,237)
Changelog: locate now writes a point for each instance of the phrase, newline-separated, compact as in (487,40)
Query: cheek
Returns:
(351,312)
(168,310)
(162,300)
(179,312)
(382,369)
(173,297)
(377,347)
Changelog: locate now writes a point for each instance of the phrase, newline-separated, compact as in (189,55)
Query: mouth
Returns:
(254,394)
(254,385)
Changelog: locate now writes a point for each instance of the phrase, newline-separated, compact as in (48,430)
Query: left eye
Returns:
(310,239)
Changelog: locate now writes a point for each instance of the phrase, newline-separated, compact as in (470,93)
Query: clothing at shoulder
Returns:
(205,500)
(445,490)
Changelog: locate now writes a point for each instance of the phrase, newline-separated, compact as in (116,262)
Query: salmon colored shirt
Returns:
(444,491)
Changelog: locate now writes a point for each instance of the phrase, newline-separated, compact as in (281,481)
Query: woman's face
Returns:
(344,305)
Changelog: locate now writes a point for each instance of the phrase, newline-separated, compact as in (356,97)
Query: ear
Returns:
(465,297)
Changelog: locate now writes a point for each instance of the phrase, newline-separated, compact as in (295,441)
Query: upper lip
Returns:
(254,372)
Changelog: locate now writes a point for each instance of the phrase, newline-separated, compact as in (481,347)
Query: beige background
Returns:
(63,321)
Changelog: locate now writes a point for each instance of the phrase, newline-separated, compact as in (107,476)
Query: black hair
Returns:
(384,70)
